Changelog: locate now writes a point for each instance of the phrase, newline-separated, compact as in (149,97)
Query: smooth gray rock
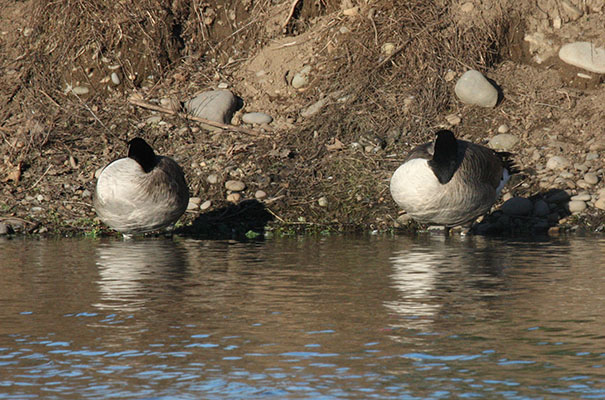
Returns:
(301,79)
(582,197)
(314,108)
(576,206)
(591,178)
(257,118)
(517,206)
(557,162)
(474,88)
(503,141)
(212,179)
(235,186)
(215,105)
(584,55)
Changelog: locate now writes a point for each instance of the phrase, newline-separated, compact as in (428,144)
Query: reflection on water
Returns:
(129,270)
(366,317)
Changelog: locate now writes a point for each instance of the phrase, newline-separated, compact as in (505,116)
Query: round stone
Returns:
(584,55)
(322,201)
(576,206)
(591,178)
(301,79)
(80,90)
(557,162)
(582,197)
(503,128)
(453,119)
(192,205)
(257,118)
(212,179)
(474,88)
(214,105)
(115,78)
(235,186)
(206,205)
(503,141)
(260,194)
(234,197)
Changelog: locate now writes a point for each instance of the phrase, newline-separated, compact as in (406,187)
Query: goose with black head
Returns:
(142,192)
(449,181)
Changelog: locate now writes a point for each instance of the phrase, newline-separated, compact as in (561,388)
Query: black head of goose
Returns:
(142,192)
(450,182)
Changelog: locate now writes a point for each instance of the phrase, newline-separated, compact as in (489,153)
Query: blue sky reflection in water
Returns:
(303,318)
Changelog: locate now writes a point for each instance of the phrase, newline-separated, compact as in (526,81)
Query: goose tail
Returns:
(508,162)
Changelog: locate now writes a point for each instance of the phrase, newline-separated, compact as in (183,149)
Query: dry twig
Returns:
(149,106)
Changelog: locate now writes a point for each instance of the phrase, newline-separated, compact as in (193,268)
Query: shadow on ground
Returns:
(247,219)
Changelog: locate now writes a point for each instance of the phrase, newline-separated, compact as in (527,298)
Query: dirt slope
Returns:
(381,78)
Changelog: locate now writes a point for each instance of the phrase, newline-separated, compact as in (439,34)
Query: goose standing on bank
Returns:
(450,182)
(142,192)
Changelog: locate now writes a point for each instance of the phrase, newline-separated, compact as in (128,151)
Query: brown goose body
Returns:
(132,200)
(453,190)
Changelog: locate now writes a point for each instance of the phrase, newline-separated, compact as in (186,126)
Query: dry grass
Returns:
(76,42)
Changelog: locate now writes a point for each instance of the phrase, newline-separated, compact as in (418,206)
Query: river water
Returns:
(365,317)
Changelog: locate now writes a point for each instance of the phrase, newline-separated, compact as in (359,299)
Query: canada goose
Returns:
(142,192)
(450,182)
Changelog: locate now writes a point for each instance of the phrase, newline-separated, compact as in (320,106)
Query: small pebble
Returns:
(467,7)
(388,48)
(582,197)
(557,162)
(591,178)
(576,206)
(260,194)
(235,186)
(503,141)
(403,220)
(301,79)
(314,108)
(234,197)
(453,119)
(154,119)
(592,156)
(322,201)
(257,118)
(192,206)
(212,179)
(80,90)
(115,78)
(600,204)
(503,128)
(206,205)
